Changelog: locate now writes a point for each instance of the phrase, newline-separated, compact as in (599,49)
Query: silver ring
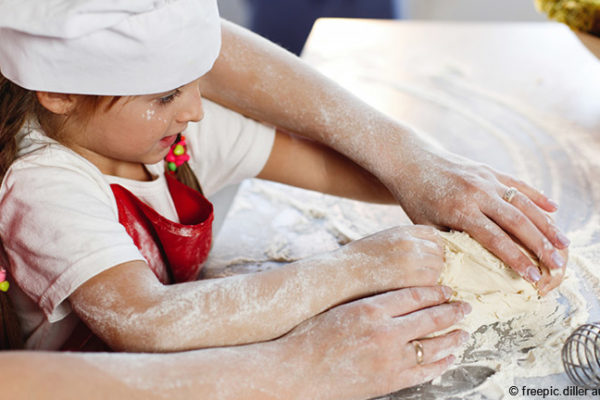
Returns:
(509,194)
(419,350)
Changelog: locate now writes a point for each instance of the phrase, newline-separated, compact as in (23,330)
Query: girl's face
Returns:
(136,130)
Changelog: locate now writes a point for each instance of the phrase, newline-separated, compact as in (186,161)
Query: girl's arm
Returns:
(357,351)
(310,165)
(131,310)
(263,81)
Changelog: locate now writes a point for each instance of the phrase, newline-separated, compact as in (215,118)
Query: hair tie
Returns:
(177,154)
(4,285)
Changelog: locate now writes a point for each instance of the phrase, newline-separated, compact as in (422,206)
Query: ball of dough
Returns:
(494,290)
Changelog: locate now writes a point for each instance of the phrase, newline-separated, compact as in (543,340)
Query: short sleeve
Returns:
(59,226)
(227,147)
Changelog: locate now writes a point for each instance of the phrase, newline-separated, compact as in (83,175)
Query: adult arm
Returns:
(311,165)
(131,310)
(261,80)
(356,351)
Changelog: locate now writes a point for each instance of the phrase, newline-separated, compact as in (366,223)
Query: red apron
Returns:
(174,251)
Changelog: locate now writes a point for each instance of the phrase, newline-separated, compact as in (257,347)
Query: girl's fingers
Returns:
(405,301)
(434,247)
(427,233)
(425,322)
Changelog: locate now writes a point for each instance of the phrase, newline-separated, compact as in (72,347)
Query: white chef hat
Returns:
(107,47)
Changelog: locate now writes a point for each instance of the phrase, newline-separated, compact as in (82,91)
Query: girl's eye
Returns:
(168,99)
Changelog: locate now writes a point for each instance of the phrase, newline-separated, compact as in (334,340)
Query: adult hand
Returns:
(355,351)
(366,348)
(552,278)
(449,191)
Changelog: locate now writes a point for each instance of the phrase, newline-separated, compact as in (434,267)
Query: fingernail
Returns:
(563,239)
(553,204)
(558,260)
(533,273)
(464,336)
(466,307)
(447,292)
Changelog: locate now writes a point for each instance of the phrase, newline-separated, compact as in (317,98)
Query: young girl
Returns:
(91,224)
(94,228)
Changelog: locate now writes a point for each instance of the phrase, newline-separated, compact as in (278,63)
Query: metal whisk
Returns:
(581,356)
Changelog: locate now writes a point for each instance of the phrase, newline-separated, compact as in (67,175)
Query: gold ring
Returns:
(419,350)
(509,194)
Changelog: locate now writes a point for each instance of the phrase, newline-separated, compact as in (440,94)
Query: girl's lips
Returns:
(168,140)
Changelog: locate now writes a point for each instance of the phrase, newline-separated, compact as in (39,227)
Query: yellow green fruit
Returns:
(582,15)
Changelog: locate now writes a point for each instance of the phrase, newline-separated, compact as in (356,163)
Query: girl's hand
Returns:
(399,257)
(365,348)
(448,191)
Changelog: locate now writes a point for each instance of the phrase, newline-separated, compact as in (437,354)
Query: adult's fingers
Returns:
(540,199)
(436,348)
(424,322)
(524,202)
(541,220)
(422,373)
(513,218)
(496,240)
(551,279)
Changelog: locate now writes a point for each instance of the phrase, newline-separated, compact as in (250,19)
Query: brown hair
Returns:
(17,105)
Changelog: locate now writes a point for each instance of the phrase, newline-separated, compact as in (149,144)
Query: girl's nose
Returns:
(192,110)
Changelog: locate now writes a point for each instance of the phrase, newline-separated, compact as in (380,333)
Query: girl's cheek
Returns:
(149,114)
(152,114)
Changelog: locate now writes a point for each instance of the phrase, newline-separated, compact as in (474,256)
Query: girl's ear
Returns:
(57,103)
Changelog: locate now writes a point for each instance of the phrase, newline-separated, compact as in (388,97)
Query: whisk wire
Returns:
(581,356)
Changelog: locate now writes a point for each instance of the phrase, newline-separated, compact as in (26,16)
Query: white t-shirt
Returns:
(59,219)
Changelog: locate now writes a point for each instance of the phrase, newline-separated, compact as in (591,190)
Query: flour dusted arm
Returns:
(131,310)
(356,351)
(434,187)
